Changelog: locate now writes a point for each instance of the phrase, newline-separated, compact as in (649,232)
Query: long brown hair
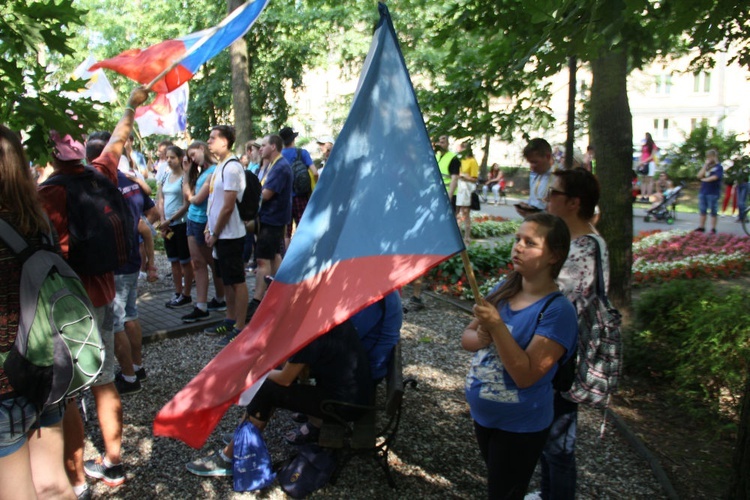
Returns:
(195,169)
(18,191)
(557,240)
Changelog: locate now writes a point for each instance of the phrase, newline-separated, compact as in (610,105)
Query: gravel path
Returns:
(435,455)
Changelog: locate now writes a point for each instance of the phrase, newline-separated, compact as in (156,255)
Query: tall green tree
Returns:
(33,100)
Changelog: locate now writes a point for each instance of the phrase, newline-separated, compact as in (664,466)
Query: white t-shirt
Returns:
(228,176)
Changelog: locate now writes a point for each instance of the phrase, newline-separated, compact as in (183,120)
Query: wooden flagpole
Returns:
(470,275)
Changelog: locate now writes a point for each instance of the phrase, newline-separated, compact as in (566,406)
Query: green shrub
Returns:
(488,262)
(152,185)
(493,229)
(694,337)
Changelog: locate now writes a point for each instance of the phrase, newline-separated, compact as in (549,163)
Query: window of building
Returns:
(696,122)
(663,84)
(702,82)
(661,128)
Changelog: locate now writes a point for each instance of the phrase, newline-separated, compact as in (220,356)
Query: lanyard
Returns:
(268,170)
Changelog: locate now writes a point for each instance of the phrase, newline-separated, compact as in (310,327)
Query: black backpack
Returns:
(249,205)
(99,222)
(301,184)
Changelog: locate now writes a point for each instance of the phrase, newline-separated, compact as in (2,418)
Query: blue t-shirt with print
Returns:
(278,210)
(197,213)
(494,398)
(713,188)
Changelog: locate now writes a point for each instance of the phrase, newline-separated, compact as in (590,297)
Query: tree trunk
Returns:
(612,138)
(240,88)
(485,159)
(739,487)
(571,126)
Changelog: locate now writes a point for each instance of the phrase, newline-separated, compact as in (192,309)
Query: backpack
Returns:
(301,184)
(251,465)
(599,360)
(99,222)
(249,205)
(308,471)
(58,349)
(563,379)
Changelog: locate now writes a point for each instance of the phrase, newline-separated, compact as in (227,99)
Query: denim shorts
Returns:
(197,231)
(708,202)
(126,293)
(18,417)
(105,320)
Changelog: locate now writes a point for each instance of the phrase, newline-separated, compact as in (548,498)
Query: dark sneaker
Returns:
(175,296)
(126,388)
(215,305)
(141,374)
(112,476)
(228,338)
(252,306)
(415,304)
(713,231)
(212,465)
(221,329)
(196,315)
(699,230)
(180,301)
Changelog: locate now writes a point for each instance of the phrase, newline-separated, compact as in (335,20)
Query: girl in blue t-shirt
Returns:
(509,385)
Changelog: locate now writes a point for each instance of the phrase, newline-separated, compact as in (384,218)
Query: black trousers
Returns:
(511,458)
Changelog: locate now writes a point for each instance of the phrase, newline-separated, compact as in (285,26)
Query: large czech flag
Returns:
(183,55)
(378,218)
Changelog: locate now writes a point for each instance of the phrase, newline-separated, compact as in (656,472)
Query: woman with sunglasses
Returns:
(572,196)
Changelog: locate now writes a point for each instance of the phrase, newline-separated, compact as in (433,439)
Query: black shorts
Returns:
(177,246)
(270,242)
(229,264)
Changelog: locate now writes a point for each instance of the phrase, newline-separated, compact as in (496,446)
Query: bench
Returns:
(375,432)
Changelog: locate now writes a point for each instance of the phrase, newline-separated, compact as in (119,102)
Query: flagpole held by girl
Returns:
(520,332)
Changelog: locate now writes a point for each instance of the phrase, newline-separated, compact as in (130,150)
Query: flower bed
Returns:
(658,256)
(670,255)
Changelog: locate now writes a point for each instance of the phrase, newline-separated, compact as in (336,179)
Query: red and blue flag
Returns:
(378,218)
(183,55)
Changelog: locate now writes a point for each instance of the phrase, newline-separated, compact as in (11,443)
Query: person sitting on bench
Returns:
(340,366)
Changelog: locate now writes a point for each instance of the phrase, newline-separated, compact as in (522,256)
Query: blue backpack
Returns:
(251,463)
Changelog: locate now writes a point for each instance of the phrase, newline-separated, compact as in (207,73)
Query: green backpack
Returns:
(58,349)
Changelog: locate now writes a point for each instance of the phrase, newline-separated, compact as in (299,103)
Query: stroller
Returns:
(667,209)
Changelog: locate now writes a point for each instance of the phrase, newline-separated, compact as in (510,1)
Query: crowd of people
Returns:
(521,332)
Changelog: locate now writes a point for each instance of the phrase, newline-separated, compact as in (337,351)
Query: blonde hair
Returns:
(18,191)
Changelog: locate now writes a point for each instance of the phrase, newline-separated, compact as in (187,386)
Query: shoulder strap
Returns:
(225,164)
(299,154)
(546,304)
(18,244)
(12,238)
(600,288)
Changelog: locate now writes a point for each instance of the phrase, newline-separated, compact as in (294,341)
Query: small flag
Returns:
(96,86)
(377,220)
(183,56)
(167,115)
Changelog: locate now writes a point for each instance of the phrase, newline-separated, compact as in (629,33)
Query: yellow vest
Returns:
(443,163)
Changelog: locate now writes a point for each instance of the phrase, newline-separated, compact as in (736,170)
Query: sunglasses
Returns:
(551,191)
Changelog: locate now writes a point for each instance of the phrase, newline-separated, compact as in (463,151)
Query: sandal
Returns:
(153,274)
(307,433)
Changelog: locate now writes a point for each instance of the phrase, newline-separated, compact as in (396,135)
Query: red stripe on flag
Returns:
(290,317)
